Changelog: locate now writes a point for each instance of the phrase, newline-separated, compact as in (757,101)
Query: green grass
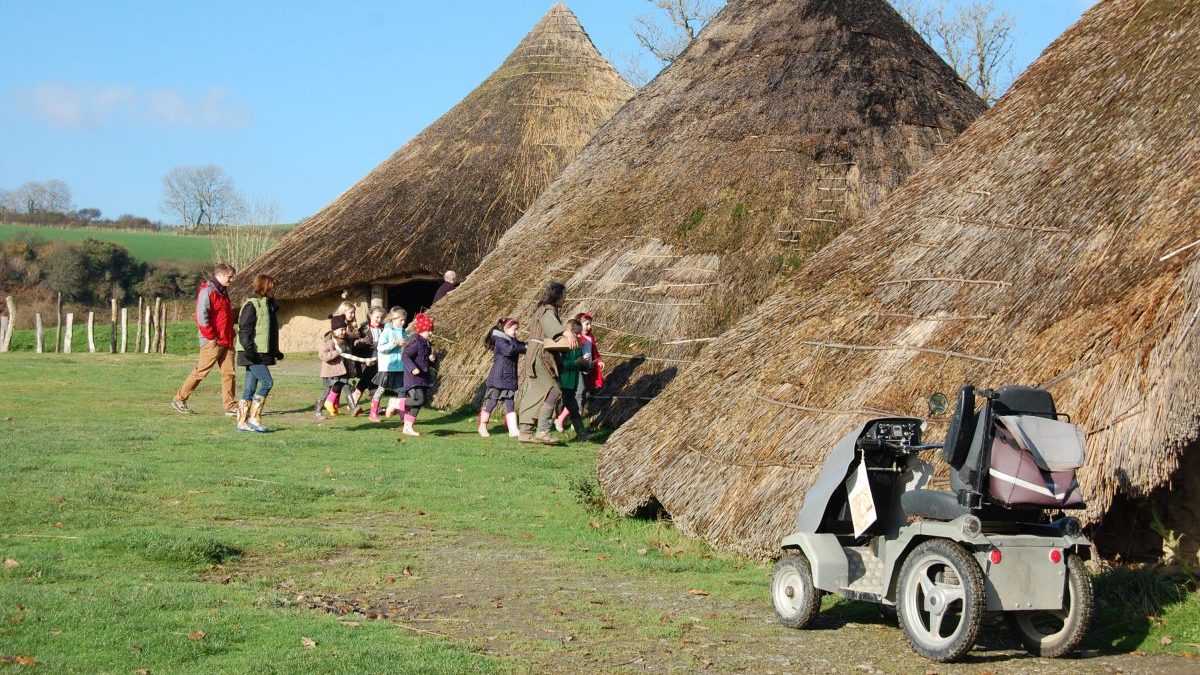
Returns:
(132,528)
(117,509)
(146,246)
(181,336)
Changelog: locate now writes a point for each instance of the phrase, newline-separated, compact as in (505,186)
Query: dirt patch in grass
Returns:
(513,601)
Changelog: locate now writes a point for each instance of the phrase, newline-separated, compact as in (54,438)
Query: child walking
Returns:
(338,364)
(502,380)
(390,377)
(574,364)
(590,379)
(365,340)
(418,361)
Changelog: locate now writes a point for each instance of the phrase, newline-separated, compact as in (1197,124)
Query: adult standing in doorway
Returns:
(214,321)
(540,392)
(449,283)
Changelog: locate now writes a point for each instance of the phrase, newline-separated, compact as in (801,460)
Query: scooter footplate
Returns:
(866,571)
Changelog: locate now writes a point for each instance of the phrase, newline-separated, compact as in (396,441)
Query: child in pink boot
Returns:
(502,380)
(418,362)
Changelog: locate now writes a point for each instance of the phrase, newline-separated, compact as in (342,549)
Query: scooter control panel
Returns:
(894,432)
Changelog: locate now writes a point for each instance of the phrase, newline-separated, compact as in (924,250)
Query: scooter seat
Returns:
(932,504)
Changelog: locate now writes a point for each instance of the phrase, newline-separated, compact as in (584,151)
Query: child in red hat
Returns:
(418,362)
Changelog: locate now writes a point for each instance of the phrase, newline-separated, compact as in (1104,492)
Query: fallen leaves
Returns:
(697,592)
(196,635)
(1166,640)
(308,643)
(142,671)
(10,563)
(351,624)
(408,571)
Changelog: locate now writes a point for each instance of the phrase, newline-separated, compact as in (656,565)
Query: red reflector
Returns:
(995,556)
(1055,556)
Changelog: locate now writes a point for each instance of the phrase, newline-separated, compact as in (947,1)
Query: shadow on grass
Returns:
(1130,603)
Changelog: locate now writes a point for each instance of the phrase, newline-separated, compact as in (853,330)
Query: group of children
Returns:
(383,357)
(580,372)
(380,356)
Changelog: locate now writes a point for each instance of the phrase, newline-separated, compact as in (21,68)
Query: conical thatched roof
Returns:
(1046,247)
(443,200)
(783,121)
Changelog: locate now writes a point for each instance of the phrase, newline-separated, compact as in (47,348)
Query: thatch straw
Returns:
(1047,247)
(783,121)
(443,200)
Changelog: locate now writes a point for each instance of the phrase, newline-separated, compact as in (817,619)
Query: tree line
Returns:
(91,271)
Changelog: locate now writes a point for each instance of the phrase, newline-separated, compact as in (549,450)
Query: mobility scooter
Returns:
(869,529)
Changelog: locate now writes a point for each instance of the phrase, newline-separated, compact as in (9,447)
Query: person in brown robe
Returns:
(539,393)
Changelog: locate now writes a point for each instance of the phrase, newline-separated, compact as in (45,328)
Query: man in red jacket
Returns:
(214,318)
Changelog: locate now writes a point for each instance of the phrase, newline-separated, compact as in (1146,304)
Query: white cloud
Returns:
(66,106)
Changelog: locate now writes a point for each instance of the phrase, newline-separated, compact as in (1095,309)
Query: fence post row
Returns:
(151,334)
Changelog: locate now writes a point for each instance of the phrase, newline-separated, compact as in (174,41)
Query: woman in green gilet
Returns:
(258,348)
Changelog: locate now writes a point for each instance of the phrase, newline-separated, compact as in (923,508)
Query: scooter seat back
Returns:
(1018,400)
(932,504)
(962,428)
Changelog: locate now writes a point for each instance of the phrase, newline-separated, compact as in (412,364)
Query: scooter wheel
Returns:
(941,600)
(1055,633)
(793,595)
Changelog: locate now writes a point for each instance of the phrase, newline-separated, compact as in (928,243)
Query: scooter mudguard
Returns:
(826,558)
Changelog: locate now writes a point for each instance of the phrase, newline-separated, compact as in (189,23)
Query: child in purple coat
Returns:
(418,360)
(502,380)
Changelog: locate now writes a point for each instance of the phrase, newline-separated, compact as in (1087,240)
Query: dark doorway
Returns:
(414,296)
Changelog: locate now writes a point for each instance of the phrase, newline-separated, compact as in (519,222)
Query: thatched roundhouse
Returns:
(782,122)
(443,200)
(1053,245)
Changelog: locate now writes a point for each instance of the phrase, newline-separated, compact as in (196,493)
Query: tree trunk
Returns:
(91,333)
(125,330)
(67,334)
(39,332)
(112,331)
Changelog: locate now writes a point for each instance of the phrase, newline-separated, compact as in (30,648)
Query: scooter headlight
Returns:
(971,526)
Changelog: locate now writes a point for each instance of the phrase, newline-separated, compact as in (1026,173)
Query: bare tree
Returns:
(974,39)
(57,195)
(29,197)
(202,196)
(665,38)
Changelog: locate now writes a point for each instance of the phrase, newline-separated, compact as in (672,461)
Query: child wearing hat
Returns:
(338,364)
(418,361)
(502,380)
(390,377)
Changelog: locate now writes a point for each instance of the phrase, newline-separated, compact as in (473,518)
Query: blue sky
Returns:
(296,101)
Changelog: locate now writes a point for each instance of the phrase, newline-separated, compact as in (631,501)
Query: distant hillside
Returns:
(146,246)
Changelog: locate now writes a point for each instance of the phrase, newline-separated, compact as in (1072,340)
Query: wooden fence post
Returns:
(125,330)
(67,333)
(39,333)
(157,324)
(91,333)
(6,336)
(146,331)
(58,323)
(112,330)
(162,330)
(3,331)
(137,339)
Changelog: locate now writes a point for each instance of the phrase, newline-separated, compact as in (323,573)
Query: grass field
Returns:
(145,246)
(136,538)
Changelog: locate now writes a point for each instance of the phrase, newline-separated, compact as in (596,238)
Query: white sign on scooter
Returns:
(862,502)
